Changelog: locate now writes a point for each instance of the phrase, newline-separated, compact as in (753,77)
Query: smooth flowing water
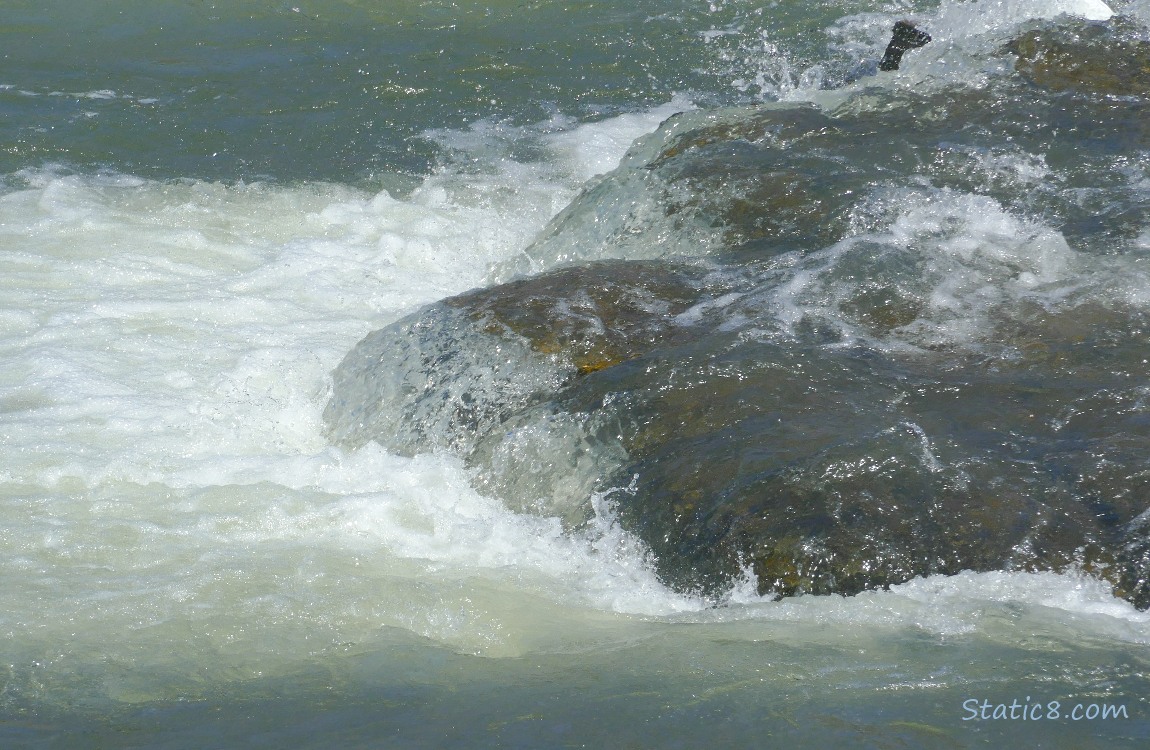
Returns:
(205,206)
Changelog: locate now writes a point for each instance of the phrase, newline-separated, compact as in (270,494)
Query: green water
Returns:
(342,90)
(205,205)
(317,91)
(648,686)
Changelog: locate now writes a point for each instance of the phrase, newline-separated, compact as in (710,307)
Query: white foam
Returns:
(966,257)
(962,604)
(955,20)
(967,38)
(171,500)
(169,349)
(597,148)
(761,67)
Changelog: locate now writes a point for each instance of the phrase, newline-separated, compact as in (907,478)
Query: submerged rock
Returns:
(727,448)
(834,350)
(593,316)
(791,177)
(1089,58)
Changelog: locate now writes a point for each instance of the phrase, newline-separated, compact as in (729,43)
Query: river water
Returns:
(204,206)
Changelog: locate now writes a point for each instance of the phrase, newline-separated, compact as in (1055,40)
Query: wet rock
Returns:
(729,449)
(768,177)
(859,377)
(478,375)
(593,316)
(835,472)
(781,178)
(1088,58)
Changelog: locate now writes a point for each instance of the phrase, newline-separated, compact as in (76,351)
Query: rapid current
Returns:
(660,373)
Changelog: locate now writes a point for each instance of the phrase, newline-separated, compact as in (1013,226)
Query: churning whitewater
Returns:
(374,376)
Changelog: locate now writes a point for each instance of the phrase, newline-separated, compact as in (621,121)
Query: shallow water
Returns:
(205,208)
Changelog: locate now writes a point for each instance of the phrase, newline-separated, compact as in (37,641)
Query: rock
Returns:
(821,470)
(780,178)
(593,316)
(821,348)
(1087,58)
(845,486)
